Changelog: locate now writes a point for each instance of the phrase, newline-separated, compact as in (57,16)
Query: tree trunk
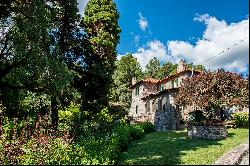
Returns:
(54,113)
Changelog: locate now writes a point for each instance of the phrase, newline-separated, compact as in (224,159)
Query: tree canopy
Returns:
(214,90)
(102,36)
(126,68)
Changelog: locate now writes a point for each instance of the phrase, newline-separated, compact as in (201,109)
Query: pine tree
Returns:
(100,24)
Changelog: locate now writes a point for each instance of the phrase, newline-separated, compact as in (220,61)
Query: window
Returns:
(136,109)
(176,82)
(172,83)
(137,91)
(148,106)
(162,87)
(159,104)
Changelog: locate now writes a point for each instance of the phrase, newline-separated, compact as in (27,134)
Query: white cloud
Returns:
(81,5)
(143,22)
(217,37)
(136,38)
(152,49)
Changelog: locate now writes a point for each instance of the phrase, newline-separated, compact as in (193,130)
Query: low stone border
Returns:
(207,132)
(234,156)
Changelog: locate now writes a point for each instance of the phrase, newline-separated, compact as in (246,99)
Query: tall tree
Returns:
(24,50)
(153,69)
(127,68)
(102,35)
(65,34)
(31,59)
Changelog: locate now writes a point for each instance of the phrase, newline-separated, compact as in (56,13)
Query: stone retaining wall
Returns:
(207,132)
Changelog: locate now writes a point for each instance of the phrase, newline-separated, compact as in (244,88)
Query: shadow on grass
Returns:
(163,148)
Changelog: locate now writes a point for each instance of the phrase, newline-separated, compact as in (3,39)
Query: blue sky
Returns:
(194,30)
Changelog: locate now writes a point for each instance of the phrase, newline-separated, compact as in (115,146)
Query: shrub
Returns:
(241,119)
(66,116)
(196,116)
(147,127)
(136,132)
(100,140)
(123,133)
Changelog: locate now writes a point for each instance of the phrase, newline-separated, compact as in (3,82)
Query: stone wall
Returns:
(166,115)
(207,132)
(144,89)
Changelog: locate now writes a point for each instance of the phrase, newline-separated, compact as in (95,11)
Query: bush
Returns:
(241,119)
(147,127)
(100,140)
(136,132)
(123,133)
(67,116)
(196,116)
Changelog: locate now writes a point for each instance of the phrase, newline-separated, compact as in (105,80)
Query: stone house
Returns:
(153,100)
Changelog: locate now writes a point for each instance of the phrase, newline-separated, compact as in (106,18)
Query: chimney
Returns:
(182,66)
(133,80)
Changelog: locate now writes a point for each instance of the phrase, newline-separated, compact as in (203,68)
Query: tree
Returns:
(24,47)
(31,56)
(213,90)
(167,69)
(65,34)
(196,67)
(153,69)
(126,68)
(100,24)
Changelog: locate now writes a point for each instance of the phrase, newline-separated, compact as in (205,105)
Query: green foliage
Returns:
(67,116)
(167,69)
(196,67)
(127,133)
(241,119)
(152,69)
(123,133)
(196,116)
(29,63)
(126,68)
(147,127)
(136,132)
(118,110)
(100,24)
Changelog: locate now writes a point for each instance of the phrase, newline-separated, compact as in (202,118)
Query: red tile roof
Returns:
(177,74)
(151,80)
(147,80)
(155,81)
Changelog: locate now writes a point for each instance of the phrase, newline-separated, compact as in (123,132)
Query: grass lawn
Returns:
(171,148)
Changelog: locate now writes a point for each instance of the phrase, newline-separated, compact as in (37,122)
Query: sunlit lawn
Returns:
(168,148)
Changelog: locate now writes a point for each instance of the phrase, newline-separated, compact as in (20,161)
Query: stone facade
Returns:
(207,132)
(153,100)
(162,112)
